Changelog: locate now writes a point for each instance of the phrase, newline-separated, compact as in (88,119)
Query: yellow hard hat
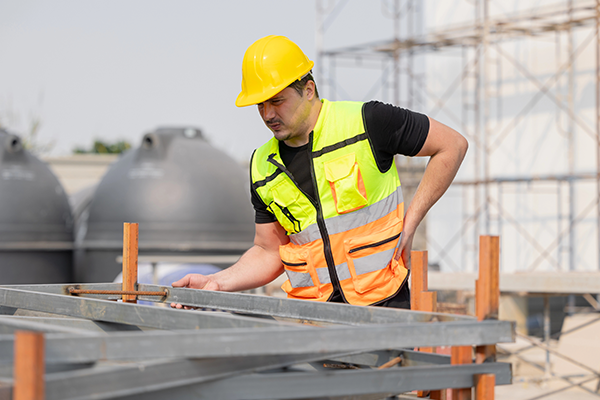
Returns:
(269,66)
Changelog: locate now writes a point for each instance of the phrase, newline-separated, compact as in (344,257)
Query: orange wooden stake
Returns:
(130,260)
(487,290)
(29,366)
(461,355)
(418,278)
(484,386)
(422,300)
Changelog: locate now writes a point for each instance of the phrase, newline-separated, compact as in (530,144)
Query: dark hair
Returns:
(300,84)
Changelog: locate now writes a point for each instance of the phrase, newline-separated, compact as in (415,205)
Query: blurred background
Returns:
(122,111)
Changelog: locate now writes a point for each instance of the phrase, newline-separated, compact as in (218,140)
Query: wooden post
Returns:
(484,386)
(422,300)
(487,290)
(461,355)
(418,278)
(130,260)
(29,366)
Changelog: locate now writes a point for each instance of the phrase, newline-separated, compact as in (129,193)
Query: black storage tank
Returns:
(188,197)
(36,227)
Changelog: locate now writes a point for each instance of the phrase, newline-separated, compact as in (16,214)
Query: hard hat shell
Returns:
(269,66)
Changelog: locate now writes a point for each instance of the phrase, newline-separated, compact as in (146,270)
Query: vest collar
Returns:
(321,120)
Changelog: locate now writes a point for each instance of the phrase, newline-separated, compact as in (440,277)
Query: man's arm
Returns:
(447,148)
(258,266)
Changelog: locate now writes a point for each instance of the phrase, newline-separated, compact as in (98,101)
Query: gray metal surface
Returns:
(299,309)
(181,360)
(304,385)
(36,226)
(62,348)
(125,313)
(188,197)
(61,325)
(262,305)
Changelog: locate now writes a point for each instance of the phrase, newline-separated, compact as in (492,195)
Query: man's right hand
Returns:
(195,281)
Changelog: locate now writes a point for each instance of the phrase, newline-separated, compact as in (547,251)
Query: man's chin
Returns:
(281,136)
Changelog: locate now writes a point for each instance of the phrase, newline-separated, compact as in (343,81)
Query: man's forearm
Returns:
(438,176)
(255,268)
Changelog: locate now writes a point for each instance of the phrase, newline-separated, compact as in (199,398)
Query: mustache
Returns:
(273,121)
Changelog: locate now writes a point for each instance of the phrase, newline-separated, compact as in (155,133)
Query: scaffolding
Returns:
(549,220)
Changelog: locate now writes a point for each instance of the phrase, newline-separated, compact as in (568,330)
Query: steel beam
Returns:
(130,314)
(261,305)
(61,348)
(298,309)
(9,324)
(409,358)
(304,385)
(151,376)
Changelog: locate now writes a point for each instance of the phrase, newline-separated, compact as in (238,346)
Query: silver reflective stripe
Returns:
(373,262)
(352,220)
(299,279)
(323,274)
(342,271)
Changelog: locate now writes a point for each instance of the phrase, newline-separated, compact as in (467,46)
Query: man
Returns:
(329,209)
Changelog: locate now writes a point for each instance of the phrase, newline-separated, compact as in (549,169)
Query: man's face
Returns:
(286,115)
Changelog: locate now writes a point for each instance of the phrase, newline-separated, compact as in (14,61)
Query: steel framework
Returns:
(483,102)
(246,346)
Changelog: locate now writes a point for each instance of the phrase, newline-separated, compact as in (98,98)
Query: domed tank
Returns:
(36,226)
(188,197)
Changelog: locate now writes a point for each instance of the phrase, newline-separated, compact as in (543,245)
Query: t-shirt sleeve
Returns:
(394,130)
(262,215)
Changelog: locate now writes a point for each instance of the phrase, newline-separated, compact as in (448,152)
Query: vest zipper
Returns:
(384,241)
(335,280)
(289,264)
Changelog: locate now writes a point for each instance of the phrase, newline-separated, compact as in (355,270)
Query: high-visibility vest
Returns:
(346,237)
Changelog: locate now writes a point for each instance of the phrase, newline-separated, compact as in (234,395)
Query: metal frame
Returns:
(481,44)
(149,351)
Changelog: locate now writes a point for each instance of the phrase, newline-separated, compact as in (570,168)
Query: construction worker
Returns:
(326,192)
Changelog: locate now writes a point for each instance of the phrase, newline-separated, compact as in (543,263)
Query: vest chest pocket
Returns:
(302,276)
(346,183)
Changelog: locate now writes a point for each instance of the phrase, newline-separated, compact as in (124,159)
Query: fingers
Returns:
(180,306)
(183,282)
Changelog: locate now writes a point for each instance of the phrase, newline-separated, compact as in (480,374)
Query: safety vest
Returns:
(346,237)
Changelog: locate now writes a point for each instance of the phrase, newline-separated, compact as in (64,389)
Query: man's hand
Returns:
(404,249)
(195,281)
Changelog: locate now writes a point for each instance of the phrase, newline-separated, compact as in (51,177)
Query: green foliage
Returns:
(101,147)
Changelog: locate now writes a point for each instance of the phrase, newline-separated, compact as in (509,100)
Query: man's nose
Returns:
(268,111)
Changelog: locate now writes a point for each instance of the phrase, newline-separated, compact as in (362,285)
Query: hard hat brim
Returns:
(244,100)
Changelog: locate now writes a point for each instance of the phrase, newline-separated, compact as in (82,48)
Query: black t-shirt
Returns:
(392,130)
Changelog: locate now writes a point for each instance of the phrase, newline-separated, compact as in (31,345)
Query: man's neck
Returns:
(312,121)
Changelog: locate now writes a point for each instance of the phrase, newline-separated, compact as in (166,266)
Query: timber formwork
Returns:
(71,341)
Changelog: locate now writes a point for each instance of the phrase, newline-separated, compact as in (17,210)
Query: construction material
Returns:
(121,292)
(130,262)
(423,299)
(461,355)
(29,366)
(487,293)
(217,354)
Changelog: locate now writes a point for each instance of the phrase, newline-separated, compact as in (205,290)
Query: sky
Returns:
(114,70)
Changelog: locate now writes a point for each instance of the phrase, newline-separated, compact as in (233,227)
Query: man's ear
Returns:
(309,89)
